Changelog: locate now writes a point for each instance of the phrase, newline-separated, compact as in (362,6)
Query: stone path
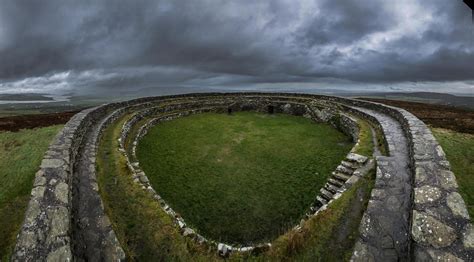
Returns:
(93,237)
(385,225)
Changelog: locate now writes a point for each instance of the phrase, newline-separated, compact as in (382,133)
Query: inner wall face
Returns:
(241,178)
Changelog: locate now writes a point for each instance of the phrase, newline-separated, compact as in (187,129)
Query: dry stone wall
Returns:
(341,180)
(440,224)
(438,228)
(46,230)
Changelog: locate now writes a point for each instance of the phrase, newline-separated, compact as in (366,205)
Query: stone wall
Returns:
(440,225)
(47,231)
(440,221)
(335,187)
(46,228)
(346,124)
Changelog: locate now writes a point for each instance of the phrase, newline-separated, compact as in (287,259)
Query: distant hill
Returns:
(427,97)
(25,97)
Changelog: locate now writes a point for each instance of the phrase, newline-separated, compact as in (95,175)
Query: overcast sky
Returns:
(111,46)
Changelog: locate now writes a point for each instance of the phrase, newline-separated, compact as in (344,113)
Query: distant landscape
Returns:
(25,97)
(35,103)
(266,130)
(427,97)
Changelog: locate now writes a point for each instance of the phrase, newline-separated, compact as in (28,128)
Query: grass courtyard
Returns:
(241,178)
(144,230)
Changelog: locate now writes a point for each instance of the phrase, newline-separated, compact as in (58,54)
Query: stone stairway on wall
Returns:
(343,174)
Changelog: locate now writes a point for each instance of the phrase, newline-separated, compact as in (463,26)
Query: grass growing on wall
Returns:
(366,145)
(20,156)
(244,177)
(459,149)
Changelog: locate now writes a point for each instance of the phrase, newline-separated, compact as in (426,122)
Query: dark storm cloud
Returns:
(344,22)
(109,44)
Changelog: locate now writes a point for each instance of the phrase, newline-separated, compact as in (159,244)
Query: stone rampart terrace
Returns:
(415,211)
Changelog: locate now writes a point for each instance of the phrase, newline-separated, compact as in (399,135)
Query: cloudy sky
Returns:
(111,46)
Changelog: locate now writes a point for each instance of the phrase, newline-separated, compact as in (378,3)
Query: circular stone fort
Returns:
(414,211)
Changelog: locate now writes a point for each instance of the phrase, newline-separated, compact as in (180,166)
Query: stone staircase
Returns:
(340,179)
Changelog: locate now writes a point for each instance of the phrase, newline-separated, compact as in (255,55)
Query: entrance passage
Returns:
(271,109)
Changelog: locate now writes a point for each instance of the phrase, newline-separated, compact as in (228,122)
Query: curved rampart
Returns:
(439,223)
(333,189)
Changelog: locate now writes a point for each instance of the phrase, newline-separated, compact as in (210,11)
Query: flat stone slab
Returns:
(385,227)
(93,235)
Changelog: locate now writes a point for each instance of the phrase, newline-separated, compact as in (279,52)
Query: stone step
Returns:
(351,165)
(326,194)
(356,158)
(340,176)
(321,200)
(316,205)
(344,170)
(331,188)
(335,182)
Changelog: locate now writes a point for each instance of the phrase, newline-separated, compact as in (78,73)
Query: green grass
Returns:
(366,144)
(381,143)
(242,178)
(20,157)
(331,235)
(147,233)
(144,230)
(459,149)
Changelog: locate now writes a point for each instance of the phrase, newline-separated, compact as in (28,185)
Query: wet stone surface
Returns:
(385,225)
(427,194)
(457,205)
(427,229)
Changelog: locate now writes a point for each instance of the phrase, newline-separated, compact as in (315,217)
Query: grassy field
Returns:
(241,178)
(20,157)
(329,236)
(459,149)
(147,233)
(144,230)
